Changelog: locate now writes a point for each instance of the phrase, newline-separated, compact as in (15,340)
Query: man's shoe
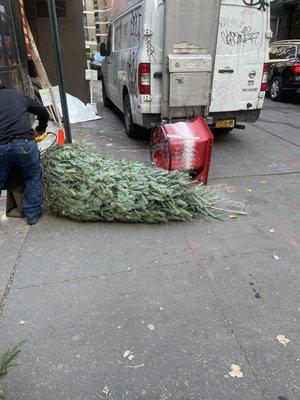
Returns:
(32,221)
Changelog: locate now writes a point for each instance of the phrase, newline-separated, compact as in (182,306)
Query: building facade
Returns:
(69,17)
(12,47)
(95,21)
(285,19)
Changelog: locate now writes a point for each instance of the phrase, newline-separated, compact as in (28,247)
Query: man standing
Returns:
(18,149)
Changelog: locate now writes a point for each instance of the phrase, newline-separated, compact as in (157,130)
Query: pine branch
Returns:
(7,360)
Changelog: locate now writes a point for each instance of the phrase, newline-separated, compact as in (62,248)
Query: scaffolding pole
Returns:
(59,69)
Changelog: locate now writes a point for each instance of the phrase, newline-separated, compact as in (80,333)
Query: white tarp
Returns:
(78,111)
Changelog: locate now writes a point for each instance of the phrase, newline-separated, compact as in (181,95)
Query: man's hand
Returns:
(40,111)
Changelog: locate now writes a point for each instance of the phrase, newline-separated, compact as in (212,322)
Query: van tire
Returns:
(131,128)
(106,102)
(275,92)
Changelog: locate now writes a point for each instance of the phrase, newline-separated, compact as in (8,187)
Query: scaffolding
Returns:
(285,19)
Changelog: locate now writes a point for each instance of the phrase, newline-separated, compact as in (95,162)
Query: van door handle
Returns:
(226,71)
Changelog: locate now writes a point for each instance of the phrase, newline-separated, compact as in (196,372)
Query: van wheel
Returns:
(130,128)
(276,89)
(106,102)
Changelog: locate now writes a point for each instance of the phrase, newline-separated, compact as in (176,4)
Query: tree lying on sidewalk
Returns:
(81,185)
(7,361)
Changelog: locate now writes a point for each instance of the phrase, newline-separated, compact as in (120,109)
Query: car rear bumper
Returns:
(292,88)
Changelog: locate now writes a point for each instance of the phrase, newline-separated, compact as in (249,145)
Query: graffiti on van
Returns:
(259,4)
(243,36)
(132,72)
(151,52)
(231,23)
(128,31)
(135,24)
(115,70)
(118,36)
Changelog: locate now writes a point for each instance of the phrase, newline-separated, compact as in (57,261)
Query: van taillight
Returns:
(145,78)
(295,68)
(264,81)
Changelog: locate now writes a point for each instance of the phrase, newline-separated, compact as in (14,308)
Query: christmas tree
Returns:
(83,186)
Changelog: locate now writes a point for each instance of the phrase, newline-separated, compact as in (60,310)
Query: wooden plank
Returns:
(44,82)
(38,62)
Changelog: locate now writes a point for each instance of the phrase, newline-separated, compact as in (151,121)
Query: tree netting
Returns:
(83,186)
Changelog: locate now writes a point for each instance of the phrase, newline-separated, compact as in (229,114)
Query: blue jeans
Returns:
(23,156)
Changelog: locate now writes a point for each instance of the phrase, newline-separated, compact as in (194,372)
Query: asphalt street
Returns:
(187,300)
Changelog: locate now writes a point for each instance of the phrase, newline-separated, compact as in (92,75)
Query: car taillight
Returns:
(264,81)
(295,68)
(145,78)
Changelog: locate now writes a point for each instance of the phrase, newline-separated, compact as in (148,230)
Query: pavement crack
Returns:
(269,121)
(283,111)
(243,253)
(277,136)
(256,175)
(125,271)
(101,276)
(13,273)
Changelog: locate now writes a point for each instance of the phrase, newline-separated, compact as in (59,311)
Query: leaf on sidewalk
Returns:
(151,327)
(106,390)
(283,340)
(126,354)
(236,371)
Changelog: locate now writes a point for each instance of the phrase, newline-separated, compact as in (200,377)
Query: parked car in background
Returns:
(284,74)
(96,64)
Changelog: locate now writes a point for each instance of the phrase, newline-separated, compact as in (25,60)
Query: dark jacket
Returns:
(14,115)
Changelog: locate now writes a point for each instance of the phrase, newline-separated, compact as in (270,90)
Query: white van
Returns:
(174,59)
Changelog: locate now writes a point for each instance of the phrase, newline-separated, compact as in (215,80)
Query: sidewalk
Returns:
(187,300)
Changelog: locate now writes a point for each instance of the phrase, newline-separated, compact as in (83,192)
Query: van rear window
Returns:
(283,52)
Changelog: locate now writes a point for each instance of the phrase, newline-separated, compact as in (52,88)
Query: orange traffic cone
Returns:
(61,137)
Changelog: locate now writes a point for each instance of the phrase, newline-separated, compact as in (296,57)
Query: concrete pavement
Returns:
(187,300)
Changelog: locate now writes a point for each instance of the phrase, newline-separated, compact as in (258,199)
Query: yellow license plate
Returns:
(225,123)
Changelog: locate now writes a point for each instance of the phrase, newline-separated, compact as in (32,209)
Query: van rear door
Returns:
(242,49)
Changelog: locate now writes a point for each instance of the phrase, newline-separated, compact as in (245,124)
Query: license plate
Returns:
(225,123)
